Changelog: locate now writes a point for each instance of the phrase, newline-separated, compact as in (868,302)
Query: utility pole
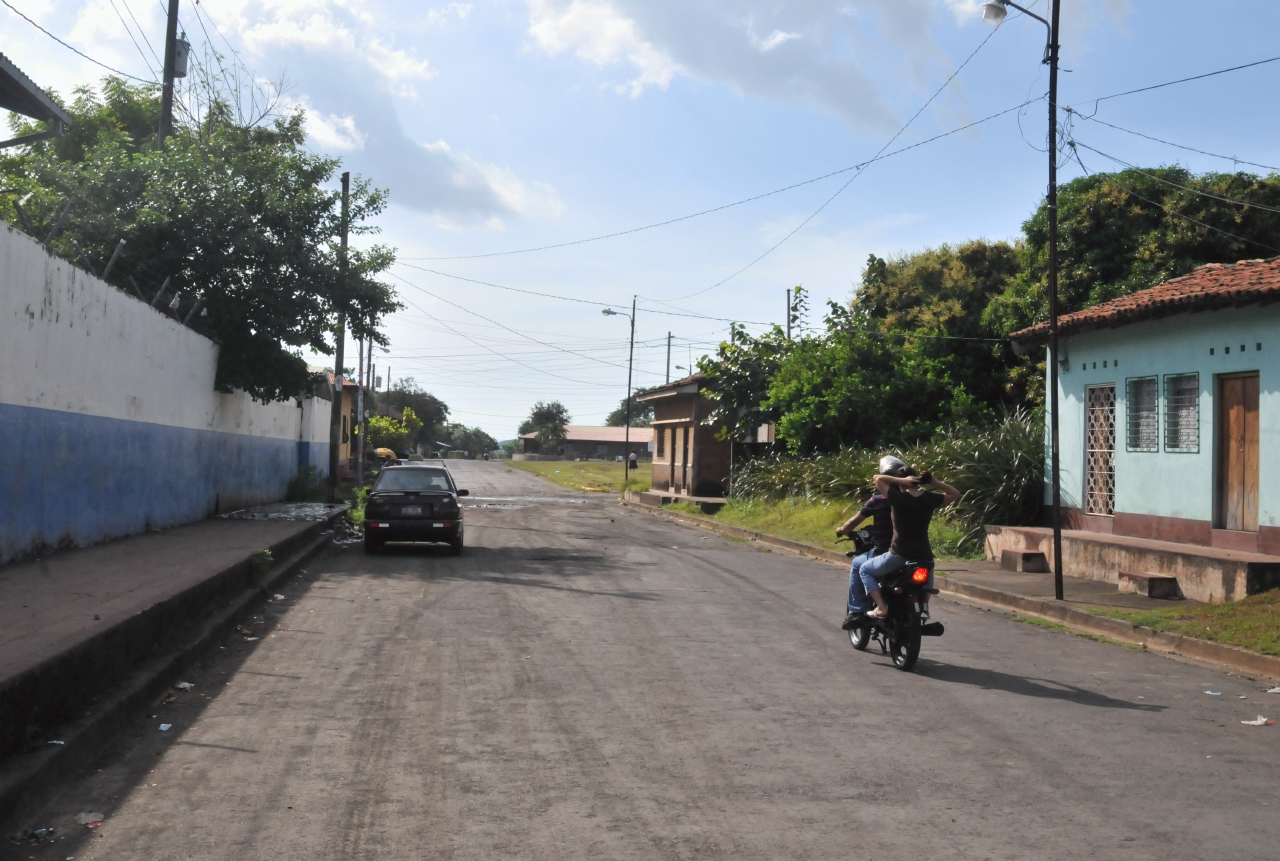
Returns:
(358,430)
(170,59)
(788,313)
(1052,206)
(626,436)
(668,357)
(335,417)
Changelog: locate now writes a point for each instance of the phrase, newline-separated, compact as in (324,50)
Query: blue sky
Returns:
(511,125)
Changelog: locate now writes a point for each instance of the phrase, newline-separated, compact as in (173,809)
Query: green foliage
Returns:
(260,562)
(641,414)
(430,410)
(386,432)
(548,421)
(738,379)
(244,218)
(998,469)
(469,439)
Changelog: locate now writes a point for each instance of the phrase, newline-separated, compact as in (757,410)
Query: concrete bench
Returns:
(1026,561)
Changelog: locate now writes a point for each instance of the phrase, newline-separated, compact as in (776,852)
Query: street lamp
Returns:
(993,13)
(626,434)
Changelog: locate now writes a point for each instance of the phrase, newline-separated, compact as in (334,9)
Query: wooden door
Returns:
(1238,452)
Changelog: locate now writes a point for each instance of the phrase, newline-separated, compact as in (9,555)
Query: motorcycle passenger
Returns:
(881,532)
(912,508)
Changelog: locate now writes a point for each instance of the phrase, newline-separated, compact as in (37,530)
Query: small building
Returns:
(688,458)
(1170,421)
(593,442)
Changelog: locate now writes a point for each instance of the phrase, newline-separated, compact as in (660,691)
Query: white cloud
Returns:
(517,197)
(441,15)
(773,40)
(598,33)
(333,132)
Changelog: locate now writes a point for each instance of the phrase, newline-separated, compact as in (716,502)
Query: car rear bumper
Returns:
(414,529)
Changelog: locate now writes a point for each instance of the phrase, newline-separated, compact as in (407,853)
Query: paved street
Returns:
(590,682)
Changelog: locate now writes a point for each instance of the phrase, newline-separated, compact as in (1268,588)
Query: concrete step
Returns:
(1027,561)
(1151,585)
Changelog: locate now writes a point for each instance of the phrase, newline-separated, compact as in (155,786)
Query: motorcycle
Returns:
(906,592)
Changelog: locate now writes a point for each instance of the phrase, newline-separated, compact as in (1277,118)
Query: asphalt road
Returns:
(591,682)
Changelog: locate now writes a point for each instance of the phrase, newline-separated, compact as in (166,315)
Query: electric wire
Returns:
(1232,200)
(1230,158)
(841,189)
(127,30)
(73,49)
(1172,83)
(143,33)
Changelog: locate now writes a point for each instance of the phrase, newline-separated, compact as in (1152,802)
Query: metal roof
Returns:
(19,94)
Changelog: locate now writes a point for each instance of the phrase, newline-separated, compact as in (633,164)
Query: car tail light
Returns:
(920,575)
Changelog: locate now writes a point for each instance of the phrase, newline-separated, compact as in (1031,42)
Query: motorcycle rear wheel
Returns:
(860,637)
(905,649)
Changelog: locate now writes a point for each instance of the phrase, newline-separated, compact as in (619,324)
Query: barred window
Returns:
(662,436)
(1182,412)
(1143,414)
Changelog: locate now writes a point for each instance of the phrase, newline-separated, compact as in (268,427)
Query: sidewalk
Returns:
(1076,591)
(96,628)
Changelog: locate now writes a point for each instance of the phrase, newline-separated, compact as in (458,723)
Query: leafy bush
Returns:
(307,486)
(998,469)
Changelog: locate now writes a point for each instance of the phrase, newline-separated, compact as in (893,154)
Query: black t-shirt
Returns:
(911,516)
(881,529)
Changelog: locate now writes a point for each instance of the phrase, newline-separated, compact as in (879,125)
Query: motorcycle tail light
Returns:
(920,575)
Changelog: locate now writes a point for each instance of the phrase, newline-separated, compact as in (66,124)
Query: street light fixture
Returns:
(626,434)
(993,13)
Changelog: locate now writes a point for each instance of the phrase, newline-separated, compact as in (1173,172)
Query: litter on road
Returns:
(92,820)
(1261,721)
(1275,690)
(184,686)
(165,727)
(1214,693)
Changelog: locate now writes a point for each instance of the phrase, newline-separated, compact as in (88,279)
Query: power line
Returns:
(1074,142)
(841,189)
(1179,81)
(124,24)
(76,50)
(1171,212)
(502,287)
(508,328)
(1230,158)
(142,32)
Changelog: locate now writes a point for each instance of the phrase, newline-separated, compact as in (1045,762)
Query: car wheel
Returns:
(455,546)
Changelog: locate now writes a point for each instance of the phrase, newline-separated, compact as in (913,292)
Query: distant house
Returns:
(688,459)
(597,443)
(1170,417)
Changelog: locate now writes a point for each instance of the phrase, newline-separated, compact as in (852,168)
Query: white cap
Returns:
(890,464)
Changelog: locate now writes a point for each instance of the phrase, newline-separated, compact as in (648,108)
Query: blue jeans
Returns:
(858,601)
(878,568)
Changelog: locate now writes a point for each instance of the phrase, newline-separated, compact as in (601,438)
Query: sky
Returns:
(520,124)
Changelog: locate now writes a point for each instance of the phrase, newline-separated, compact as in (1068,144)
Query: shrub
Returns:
(998,469)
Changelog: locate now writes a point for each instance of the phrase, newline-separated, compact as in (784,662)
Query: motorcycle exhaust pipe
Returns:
(933,629)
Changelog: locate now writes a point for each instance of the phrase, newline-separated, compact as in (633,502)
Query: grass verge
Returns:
(813,522)
(1252,624)
(1058,626)
(591,476)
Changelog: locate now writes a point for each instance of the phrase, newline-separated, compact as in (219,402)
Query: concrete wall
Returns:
(110,421)
(1162,483)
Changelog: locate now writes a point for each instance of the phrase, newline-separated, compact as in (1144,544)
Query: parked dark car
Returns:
(413,502)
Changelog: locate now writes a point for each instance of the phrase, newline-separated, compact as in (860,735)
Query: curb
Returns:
(1229,657)
(27,779)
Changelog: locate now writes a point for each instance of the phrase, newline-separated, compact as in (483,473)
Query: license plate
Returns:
(410,509)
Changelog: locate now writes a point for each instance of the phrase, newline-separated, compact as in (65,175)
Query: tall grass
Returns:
(998,469)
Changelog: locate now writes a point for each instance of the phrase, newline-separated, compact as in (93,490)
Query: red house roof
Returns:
(1206,288)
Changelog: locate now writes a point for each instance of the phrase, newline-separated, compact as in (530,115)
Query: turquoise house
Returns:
(1170,410)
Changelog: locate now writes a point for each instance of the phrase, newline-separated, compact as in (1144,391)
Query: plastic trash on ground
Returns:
(1261,721)
(165,727)
(1275,690)
(92,819)
(184,686)
(1214,693)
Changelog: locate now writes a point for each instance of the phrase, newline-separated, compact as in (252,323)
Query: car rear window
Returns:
(416,478)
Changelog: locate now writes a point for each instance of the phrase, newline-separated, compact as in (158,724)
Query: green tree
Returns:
(738,378)
(386,432)
(548,421)
(469,439)
(641,414)
(242,218)
(433,412)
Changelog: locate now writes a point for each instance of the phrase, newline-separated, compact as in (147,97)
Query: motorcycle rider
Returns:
(881,532)
(912,507)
